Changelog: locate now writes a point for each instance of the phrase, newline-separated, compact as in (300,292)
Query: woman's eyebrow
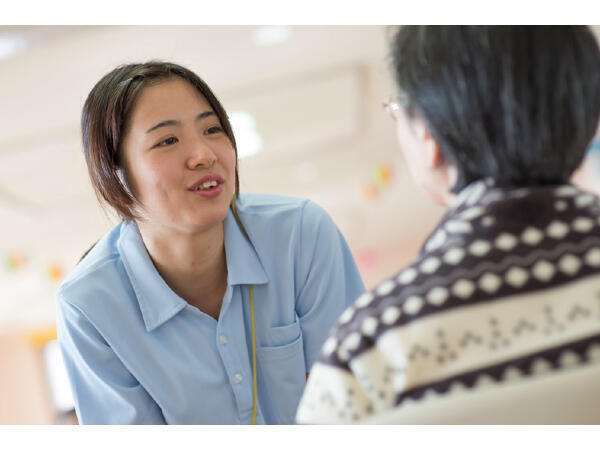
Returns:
(168,123)
(164,123)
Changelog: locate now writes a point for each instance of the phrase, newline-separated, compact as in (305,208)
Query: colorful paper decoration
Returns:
(381,177)
(15,264)
(55,272)
(383,174)
(369,191)
(366,260)
(15,261)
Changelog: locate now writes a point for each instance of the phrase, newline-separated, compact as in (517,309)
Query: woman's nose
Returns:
(201,155)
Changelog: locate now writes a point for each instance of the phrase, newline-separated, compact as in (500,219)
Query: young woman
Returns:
(203,306)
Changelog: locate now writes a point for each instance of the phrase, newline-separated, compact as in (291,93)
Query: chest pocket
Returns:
(281,373)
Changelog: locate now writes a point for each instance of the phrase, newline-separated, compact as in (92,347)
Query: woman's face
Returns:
(179,162)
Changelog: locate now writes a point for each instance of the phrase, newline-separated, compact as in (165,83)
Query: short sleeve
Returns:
(105,392)
(329,279)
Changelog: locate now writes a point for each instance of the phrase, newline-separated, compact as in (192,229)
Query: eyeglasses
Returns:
(394,103)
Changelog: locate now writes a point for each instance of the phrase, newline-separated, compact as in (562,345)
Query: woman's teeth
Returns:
(207,185)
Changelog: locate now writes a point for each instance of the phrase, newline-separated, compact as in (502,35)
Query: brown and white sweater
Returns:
(507,286)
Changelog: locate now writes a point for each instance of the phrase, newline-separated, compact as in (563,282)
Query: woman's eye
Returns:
(214,130)
(166,142)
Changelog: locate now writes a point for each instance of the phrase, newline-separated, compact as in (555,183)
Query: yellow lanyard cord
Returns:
(255,400)
(254,384)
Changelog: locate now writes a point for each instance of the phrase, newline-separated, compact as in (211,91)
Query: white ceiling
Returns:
(316,99)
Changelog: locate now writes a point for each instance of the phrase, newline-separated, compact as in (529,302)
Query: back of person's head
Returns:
(519,104)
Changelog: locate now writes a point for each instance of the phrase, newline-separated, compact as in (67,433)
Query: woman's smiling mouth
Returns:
(208,186)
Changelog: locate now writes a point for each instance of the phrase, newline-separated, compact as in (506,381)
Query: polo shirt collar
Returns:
(243,263)
(158,303)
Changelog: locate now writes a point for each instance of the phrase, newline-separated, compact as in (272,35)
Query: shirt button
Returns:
(223,339)
(237,378)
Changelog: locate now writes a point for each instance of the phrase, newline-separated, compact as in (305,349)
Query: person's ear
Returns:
(433,154)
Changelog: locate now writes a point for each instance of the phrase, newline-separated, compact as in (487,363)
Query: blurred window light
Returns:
(271,34)
(247,137)
(10,45)
(60,388)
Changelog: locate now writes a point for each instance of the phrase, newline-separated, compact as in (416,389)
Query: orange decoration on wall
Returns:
(369,191)
(55,272)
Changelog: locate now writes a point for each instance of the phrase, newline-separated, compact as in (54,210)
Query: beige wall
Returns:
(24,390)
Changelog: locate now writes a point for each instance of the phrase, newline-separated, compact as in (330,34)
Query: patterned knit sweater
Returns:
(506,287)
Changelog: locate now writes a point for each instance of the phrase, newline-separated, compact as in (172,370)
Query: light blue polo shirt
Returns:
(137,353)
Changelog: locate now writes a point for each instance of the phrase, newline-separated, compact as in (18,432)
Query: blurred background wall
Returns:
(305,102)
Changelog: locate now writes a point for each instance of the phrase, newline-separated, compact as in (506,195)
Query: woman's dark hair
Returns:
(104,122)
(519,104)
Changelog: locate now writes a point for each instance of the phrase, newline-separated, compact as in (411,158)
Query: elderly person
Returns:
(492,122)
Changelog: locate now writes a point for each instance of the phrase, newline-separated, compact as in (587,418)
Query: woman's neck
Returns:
(193,265)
